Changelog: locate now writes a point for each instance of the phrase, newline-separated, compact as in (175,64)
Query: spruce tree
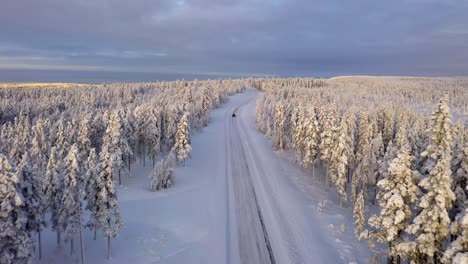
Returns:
(457,251)
(91,192)
(69,219)
(15,242)
(358,214)
(53,189)
(106,211)
(431,225)
(31,190)
(397,192)
(339,161)
(279,126)
(182,145)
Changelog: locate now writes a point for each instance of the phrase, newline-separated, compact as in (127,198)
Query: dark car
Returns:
(233,115)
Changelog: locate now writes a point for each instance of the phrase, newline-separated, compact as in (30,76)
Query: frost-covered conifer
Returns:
(397,193)
(358,213)
(182,145)
(154,134)
(365,135)
(339,161)
(457,251)
(298,131)
(309,139)
(84,141)
(53,189)
(431,225)
(39,148)
(366,174)
(279,126)
(107,212)
(116,143)
(69,219)
(157,176)
(327,137)
(30,185)
(15,242)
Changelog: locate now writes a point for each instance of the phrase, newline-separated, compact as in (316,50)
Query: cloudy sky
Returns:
(278,37)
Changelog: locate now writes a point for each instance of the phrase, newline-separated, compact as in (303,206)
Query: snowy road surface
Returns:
(235,201)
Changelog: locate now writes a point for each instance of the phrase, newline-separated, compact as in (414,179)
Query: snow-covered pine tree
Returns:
(61,142)
(84,141)
(106,211)
(182,144)
(18,148)
(69,219)
(172,117)
(130,131)
(188,100)
(297,133)
(339,160)
(459,166)
(116,143)
(365,135)
(350,119)
(388,130)
(309,140)
(157,176)
(39,148)
(154,134)
(169,168)
(279,126)
(30,185)
(367,172)
(397,192)
(15,242)
(431,225)
(53,189)
(388,157)
(206,105)
(327,140)
(457,251)
(217,100)
(359,214)
(91,192)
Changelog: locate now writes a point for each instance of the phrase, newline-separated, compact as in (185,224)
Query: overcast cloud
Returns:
(296,37)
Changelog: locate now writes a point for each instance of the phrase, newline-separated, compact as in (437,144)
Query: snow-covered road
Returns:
(235,201)
(290,225)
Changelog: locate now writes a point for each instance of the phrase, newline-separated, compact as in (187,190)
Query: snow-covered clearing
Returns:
(208,216)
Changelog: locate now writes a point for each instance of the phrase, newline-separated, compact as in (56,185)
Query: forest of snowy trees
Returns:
(395,149)
(63,149)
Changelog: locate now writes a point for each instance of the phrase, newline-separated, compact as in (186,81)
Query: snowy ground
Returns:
(235,201)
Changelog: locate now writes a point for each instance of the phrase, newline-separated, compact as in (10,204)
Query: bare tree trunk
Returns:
(120,178)
(40,244)
(71,246)
(326,178)
(313,175)
(58,239)
(109,256)
(82,243)
(95,231)
(144,156)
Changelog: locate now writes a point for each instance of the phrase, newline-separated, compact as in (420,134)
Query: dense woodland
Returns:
(395,150)
(63,148)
